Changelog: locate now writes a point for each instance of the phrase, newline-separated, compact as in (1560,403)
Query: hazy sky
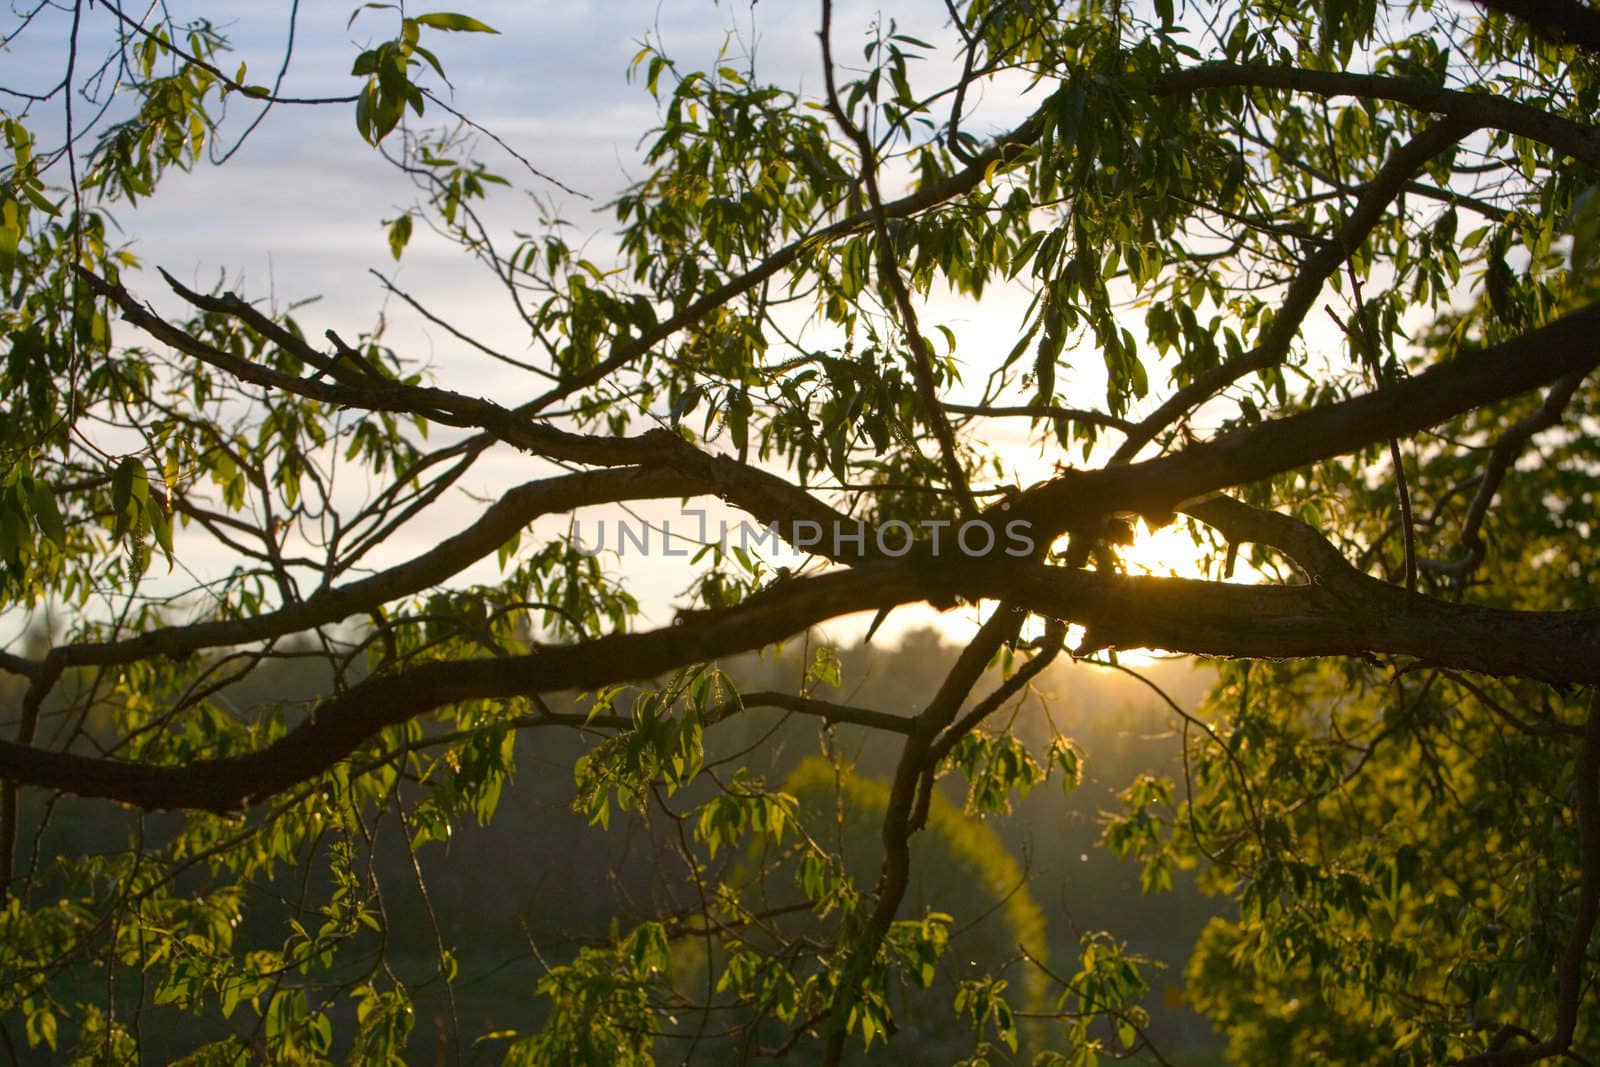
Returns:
(296,211)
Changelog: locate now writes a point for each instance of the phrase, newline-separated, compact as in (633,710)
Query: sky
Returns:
(296,212)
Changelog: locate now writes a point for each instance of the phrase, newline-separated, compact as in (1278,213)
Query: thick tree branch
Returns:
(1153,487)
(1470,380)
(1122,611)
(1207,618)
(681,471)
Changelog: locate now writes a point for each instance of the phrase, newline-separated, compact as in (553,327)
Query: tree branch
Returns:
(1470,380)
(500,521)
(1180,615)
(1501,459)
(1558,21)
(1041,411)
(915,766)
(1202,617)
(1577,140)
(1004,151)
(1049,649)
(889,272)
(1571,970)
(1303,543)
(1302,293)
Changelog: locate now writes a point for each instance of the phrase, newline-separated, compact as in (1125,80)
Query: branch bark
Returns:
(1180,615)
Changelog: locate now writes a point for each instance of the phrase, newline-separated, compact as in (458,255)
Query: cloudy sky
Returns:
(302,199)
(296,212)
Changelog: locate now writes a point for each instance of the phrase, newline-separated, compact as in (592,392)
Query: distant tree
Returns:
(1337,265)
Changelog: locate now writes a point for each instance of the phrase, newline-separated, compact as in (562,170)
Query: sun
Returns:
(1167,552)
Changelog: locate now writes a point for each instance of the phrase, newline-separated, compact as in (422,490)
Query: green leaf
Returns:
(443,20)
(123,478)
(1585,227)
(10,236)
(160,521)
(685,403)
(399,235)
(36,197)
(48,515)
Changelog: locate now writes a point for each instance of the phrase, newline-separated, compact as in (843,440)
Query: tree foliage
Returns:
(1318,281)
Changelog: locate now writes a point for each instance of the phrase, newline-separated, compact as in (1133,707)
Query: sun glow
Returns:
(1167,552)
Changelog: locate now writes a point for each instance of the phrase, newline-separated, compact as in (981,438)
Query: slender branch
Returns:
(455,331)
(512,512)
(763,494)
(1501,459)
(825,710)
(1006,150)
(1049,649)
(1408,524)
(1572,968)
(889,271)
(1559,21)
(1580,141)
(898,819)
(1041,411)
(1302,293)
(254,92)
(1050,646)
(498,140)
